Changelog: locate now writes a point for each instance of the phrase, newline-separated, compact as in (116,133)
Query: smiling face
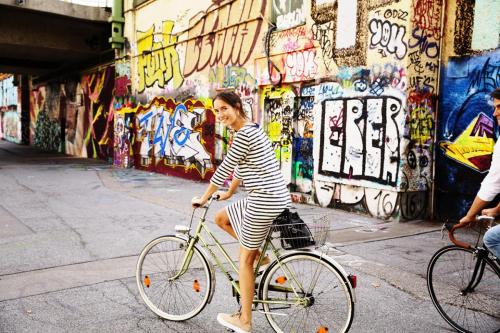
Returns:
(228,115)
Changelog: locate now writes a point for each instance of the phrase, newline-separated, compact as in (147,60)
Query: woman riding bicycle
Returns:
(252,159)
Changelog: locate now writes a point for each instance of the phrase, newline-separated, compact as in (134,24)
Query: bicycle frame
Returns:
(198,237)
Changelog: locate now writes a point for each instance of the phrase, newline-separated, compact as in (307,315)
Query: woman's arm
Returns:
(238,150)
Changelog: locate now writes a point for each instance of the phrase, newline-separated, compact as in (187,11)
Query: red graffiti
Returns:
(121,86)
(427,16)
(217,39)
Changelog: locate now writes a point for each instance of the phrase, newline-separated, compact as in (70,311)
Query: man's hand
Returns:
(495,211)
(467,219)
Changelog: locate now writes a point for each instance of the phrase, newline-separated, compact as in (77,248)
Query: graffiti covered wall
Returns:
(362,138)
(466,130)
(345,89)
(75,117)
(180,59)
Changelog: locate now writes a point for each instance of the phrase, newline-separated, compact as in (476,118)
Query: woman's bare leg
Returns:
(247,283)
(222,220)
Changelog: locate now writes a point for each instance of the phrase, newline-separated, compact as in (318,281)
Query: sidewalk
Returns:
(175,194)
(347,227)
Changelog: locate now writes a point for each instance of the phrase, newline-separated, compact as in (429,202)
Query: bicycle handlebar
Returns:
(480,218)
(212,198)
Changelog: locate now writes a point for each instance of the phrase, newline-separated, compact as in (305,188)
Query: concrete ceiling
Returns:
(52,37)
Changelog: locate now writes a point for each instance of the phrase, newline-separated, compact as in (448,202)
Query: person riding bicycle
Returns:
(253,162)
(490,188)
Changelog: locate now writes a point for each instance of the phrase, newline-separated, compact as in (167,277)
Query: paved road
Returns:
(71,229)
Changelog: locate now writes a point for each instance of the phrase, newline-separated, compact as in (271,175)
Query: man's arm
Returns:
(477,205)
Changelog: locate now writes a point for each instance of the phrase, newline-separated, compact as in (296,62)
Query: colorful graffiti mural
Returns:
(124,138)
(97,89)
(466,131)
(175,138)
(158,62)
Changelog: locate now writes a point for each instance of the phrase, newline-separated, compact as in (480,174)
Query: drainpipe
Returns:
(117,20)
(434,154)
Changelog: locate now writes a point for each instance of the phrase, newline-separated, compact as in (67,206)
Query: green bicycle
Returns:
(301,290)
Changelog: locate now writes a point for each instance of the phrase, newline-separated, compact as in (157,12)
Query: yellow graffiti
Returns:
(421,125)
(274,131)
(466,147)
(158,61)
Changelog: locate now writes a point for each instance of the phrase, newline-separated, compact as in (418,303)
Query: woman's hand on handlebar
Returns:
(198,202)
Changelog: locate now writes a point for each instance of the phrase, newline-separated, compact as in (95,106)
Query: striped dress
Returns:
(252,159)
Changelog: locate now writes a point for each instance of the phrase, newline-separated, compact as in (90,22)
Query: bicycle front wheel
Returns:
(169,293)
(474,309)
(306,293)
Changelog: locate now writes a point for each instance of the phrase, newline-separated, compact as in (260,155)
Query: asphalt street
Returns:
(71,230)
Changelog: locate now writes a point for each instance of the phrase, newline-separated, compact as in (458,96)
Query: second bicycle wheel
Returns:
(449,273)
(325,302)
(170,297)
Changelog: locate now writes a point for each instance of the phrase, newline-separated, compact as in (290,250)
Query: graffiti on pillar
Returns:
(303,164)
(47,132)
(360,139)
(11,122)
(304,117)
(278,106)
(174,136)
(47,127)
(224,35)
(421,122)
(124,138)
(97,90)
(427,16)
(158,62)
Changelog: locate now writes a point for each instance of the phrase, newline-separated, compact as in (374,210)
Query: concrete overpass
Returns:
(46,38)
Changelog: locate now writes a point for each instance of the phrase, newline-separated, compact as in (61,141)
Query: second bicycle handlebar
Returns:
(481,218)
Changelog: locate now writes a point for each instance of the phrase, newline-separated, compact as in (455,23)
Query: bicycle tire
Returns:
(448,274)
(332,304)
(179,299)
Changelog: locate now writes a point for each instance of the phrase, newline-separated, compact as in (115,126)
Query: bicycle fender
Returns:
(209,263)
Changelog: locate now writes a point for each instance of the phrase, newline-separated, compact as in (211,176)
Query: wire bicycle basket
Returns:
(289,231)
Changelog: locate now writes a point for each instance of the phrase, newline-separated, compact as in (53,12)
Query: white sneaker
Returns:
(233,322)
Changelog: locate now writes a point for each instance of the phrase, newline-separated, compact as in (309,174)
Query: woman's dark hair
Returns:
(232,99)
(496,93)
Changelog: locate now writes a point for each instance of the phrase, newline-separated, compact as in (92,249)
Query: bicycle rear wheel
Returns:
(449,274)
(173,299)
(325,302)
